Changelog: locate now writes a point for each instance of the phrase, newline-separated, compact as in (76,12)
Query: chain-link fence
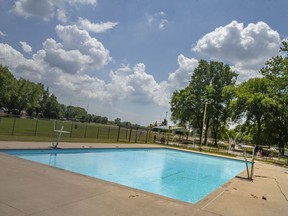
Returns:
(11,126)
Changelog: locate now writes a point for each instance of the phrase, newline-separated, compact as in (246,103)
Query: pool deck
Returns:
(28,188)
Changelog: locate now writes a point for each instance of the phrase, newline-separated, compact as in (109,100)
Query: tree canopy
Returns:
(261,103)
(209,86)
(23,96)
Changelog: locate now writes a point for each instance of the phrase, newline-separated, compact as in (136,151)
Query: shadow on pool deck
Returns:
(28,188)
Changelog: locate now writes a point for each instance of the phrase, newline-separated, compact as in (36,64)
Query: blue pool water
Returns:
(176,174)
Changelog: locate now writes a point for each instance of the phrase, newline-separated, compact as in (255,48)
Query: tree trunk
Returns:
(281,145)
(215,136)
(258,132)
(206,131)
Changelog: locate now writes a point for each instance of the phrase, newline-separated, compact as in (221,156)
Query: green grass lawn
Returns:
(43,130)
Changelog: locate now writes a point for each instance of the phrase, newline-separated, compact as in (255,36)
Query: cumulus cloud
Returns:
(247,48)
(77,52)
(158,21)
(138,85)
(64,66)
(181,77)
(95,27)
(46,9)
(26,47)
(31,69)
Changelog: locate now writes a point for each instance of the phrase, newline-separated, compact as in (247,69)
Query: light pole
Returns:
(204,119)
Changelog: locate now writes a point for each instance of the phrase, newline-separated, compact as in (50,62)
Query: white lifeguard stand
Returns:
(57,134)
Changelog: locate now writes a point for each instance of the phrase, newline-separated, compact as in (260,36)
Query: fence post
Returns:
(118,133)
(35,132)
(108,132)
(147,131)
(98,131)
(130,134)
(71,129)
(13,126)
(136,135)
(85,130)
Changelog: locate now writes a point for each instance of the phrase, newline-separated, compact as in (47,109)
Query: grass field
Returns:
(43,130)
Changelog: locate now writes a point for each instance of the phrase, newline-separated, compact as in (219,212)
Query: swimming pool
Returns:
(181,175)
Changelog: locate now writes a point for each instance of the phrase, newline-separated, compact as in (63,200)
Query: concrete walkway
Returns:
(28,188)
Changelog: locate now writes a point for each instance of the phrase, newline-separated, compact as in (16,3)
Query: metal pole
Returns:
(168,136)
(13,129)
(108,132)
(130,135)
(98,131)
(71,129)
(35,132)
(204,118)
(252,166)
(136,135)
(85,133)
(147,131)
(247,169)
(118,133)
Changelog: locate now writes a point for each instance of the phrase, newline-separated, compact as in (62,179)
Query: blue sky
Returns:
(125,58)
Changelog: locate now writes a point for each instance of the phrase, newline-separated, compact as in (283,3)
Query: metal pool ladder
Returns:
(250,175)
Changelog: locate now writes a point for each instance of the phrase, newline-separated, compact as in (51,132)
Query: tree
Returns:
(254,104)
(8,89)
(52,109)
(104,120)
(210,87)
(34,104)
(76,112)
(117,121)
(164,122)
(276,71)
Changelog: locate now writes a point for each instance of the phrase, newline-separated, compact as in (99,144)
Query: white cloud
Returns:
(63,67)
(162,24)
(32,69)
(2,34)
(46,9)
(9,56)
(246,48)
(62,15)
(139,86)
(77,52)
(26,47)
(181,77)
(157,21)
(95,27)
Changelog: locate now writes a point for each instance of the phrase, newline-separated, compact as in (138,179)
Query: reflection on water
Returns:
(53,160)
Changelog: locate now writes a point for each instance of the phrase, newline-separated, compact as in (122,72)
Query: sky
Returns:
(125,58)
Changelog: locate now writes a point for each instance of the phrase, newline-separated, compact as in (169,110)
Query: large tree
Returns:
(276,71)
(209,87)
(8,89)
(28,96)
(52,108)
(254,104)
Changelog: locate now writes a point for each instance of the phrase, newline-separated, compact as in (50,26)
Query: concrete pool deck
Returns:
(28,188)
